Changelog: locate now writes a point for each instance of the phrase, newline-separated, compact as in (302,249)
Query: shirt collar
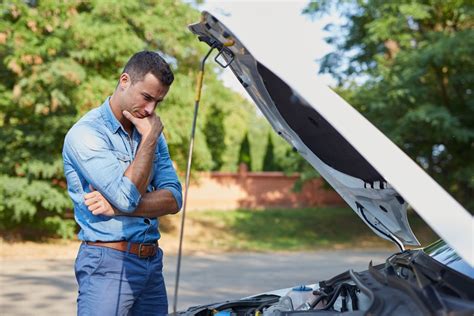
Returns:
(110,120)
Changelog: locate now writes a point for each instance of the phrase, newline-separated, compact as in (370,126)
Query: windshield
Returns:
(444,254)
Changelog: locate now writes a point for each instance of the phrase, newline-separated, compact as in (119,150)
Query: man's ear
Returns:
(124,81)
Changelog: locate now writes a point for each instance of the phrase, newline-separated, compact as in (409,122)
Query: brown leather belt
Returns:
(141,250)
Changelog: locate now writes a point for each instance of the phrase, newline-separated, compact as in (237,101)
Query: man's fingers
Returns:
(99,206)
(129,116)
(94,206)
(98,211)
(103,210)
(89,202)
(91,199)
(160,123)
(90,195)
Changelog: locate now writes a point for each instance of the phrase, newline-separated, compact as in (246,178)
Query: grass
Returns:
(288,230)
(246,230)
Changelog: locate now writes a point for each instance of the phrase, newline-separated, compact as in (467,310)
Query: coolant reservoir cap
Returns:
(302,288)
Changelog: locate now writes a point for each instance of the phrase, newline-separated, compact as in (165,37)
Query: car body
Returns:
(376,179)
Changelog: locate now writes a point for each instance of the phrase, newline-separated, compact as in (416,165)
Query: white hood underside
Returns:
(372,174)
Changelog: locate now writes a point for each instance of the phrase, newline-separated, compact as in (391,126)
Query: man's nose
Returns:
(149,108)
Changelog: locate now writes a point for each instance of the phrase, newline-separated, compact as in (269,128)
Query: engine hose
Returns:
(270,301)
(344,299)
(334,296)
(354,298)
(346,287)
(319,299)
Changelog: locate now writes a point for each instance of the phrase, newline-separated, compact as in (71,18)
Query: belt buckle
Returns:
(140,251)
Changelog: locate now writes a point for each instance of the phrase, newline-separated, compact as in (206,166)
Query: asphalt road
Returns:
(48,287)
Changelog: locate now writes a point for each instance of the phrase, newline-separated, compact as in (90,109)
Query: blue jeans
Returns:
(112,282)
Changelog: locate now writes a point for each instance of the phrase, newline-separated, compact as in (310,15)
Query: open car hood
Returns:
(370,173)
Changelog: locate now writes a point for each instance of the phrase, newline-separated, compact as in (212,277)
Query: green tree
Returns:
(60,59)
(244,152)
(215,135)
(269,163)
(408,66)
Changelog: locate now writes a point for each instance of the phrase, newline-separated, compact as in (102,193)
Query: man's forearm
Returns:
(139,170)
(155,204)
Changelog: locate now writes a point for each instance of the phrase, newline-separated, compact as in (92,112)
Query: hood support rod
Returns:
(188,172)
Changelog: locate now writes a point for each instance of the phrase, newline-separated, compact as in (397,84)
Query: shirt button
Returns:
(147,221)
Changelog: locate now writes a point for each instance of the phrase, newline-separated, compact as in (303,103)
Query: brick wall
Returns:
(256,190)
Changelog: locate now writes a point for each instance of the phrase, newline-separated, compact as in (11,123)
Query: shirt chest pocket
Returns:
(123,159)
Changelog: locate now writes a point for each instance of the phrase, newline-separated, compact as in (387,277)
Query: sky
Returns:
(277,23)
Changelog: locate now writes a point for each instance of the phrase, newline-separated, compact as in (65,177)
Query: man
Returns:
(120,179)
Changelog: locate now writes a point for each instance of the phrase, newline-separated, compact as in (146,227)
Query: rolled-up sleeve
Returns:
(90,154)
(165,176)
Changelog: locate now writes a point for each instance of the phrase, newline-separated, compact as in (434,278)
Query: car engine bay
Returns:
(408,283)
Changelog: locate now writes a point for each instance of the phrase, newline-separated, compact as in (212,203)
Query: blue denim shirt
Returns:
(97,151)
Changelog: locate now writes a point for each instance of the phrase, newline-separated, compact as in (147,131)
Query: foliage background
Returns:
(59,59)
(407,66)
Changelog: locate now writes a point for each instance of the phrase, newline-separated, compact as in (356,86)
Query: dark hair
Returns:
(146,61)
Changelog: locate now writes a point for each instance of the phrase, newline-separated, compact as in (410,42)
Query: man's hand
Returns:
(98,204)
(139,170)
(147,126)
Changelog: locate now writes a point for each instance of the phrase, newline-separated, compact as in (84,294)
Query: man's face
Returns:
(142,97)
